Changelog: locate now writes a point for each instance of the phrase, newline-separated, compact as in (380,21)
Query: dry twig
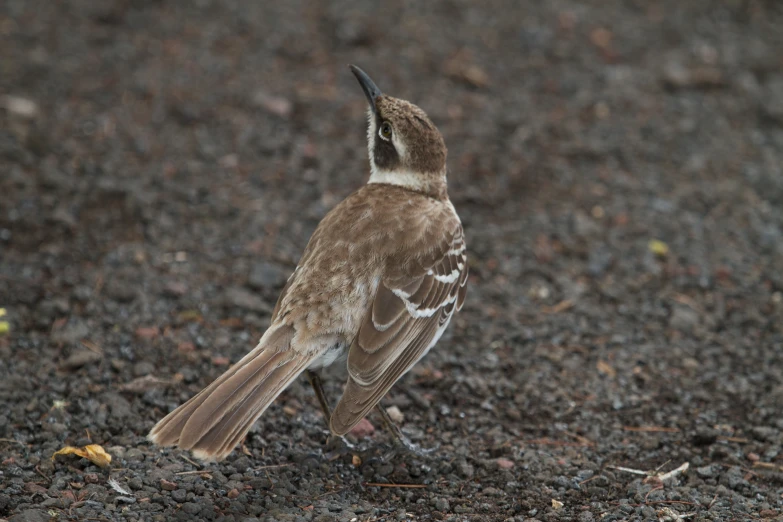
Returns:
(655,476)
(562,306)
(385,485)
(195,464)
(549,442)
(651,429)
(273,466)
(194,472)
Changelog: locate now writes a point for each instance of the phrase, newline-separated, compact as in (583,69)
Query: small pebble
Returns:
(363,429)
(395,414)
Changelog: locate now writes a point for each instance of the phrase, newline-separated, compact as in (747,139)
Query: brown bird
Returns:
(377,285)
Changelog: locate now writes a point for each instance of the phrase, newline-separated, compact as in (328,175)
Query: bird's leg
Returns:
(315,382)
(399,438)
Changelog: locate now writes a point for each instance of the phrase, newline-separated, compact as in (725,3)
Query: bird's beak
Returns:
(368,86)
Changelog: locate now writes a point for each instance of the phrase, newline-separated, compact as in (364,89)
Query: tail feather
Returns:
(214,421)
(223,438)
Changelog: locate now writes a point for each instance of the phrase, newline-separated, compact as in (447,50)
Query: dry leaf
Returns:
(562,306)
(605,368)
(356,460)
(143,384)
(461,67)
(557,504)
(93,452)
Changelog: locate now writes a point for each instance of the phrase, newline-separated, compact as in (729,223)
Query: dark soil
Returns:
(162,165)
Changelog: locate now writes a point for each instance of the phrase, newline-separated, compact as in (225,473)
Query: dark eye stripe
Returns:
(385,154)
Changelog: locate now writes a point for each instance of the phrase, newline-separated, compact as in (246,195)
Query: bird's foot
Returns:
(338,446)
(385,453)
(403,444)
(400,440)
(411,447)
(348,444)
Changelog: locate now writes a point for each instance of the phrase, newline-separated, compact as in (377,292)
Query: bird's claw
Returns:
(401,442)
(338,446)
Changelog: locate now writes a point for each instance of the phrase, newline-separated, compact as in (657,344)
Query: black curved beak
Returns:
(368,86)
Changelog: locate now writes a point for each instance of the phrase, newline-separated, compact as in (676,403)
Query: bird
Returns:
(377,284)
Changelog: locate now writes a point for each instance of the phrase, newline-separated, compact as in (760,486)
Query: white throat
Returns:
(401,177)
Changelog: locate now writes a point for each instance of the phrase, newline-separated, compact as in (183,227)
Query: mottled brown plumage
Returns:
(377,284)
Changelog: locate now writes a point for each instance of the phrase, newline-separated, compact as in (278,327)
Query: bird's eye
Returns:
(385,131)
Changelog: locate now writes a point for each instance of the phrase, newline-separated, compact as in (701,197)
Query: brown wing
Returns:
(407,317)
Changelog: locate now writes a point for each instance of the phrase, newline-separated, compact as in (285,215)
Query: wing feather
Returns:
(409,313)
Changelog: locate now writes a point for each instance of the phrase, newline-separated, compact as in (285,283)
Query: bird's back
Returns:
(376,232)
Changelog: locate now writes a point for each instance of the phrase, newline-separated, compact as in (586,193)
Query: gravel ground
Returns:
(618,169)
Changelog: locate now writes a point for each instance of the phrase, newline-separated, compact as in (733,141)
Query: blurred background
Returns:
(617,166)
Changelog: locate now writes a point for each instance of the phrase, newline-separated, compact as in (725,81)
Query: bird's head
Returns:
(405,147)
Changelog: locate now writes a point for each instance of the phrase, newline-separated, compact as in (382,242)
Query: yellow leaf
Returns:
(93,452)
(5,327)
(658,247)
(190,315)
(2,312)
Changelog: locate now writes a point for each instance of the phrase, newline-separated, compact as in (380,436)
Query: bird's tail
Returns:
(213,422)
